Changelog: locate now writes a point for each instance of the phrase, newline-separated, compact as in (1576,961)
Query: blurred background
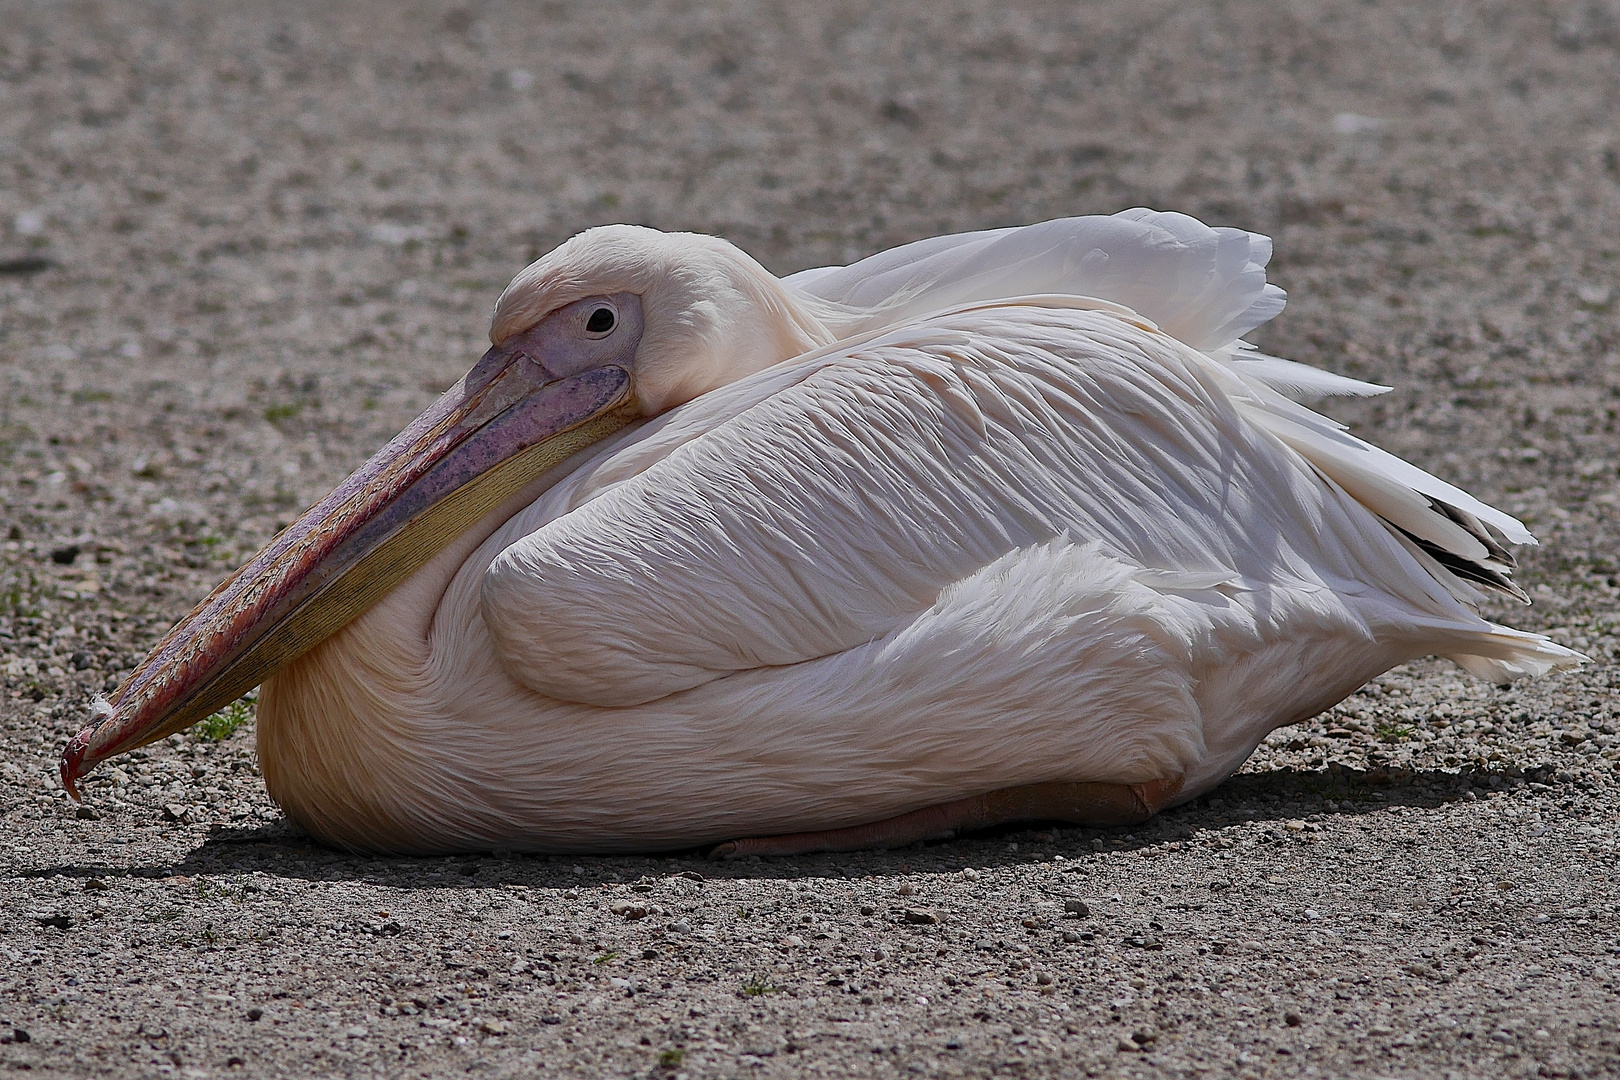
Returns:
(240,245)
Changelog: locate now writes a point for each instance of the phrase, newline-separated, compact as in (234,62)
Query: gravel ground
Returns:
(239,250)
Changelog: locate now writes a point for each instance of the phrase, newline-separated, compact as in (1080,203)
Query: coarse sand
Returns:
(241,245)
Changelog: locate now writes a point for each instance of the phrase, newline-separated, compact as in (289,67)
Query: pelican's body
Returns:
(993,510)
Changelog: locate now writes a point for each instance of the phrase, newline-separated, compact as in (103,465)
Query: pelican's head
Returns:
(707,314)
(617,324)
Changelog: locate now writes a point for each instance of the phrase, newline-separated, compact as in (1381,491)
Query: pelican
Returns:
(999,526)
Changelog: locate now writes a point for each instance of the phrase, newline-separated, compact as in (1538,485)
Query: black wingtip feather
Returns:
(1469,570)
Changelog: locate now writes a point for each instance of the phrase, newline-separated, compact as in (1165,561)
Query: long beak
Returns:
(506,422)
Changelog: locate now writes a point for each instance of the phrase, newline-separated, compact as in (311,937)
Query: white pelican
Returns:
(1000,526)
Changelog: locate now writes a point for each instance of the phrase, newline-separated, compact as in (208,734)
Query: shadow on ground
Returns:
(1285,794)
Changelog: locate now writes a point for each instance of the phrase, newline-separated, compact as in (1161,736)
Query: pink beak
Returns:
(528,405)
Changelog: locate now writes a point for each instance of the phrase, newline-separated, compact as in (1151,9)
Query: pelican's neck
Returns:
(356,741)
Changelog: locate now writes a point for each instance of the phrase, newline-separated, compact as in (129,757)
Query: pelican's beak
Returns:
(529,404)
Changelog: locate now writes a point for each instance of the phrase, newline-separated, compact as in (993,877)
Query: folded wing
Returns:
(818,506)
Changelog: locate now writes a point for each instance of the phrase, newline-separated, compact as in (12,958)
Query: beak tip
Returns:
(73,764)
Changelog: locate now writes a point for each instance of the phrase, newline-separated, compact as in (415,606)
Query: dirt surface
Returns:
(240,250)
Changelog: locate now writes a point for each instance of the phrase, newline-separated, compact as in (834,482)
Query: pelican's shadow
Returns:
(280,850)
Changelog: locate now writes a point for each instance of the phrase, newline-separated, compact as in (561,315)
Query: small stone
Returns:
(234,1062)
(680,926)
(57,922)
(87,813)
(905,889)
(1143,1037)
(255,1014)
(551,1018)
(1044,978)
(176,812)
(920,916)
(1125,1046)
(649,954)
(94,884)
(625,909)
(356,1032)
(1078,908)
(20,1035)
(868,909)
(1070,937)
(493,1027)
(64,554)
(1292,1019)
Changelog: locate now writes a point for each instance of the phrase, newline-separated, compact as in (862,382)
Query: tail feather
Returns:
(1502,654)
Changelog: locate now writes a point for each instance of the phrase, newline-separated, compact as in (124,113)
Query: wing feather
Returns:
(1205,286)
(817,507)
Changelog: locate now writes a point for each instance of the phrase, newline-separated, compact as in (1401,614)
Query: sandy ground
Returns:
(238,251)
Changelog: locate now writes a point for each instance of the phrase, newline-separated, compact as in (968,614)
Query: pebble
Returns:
(176,812)
(1077,908)
(920,916)
(495,1027)
(356,1032)
(255,1013)
(626,909)
(304,877)
(679,926)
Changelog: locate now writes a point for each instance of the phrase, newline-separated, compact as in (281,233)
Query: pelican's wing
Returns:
(1204,286)
(821,505)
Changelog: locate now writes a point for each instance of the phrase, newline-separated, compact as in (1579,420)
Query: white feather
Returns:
(996,533)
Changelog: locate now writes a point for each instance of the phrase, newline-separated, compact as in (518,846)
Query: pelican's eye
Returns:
(601,322)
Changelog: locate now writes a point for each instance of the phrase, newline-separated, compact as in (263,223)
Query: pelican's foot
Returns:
(1078,804)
